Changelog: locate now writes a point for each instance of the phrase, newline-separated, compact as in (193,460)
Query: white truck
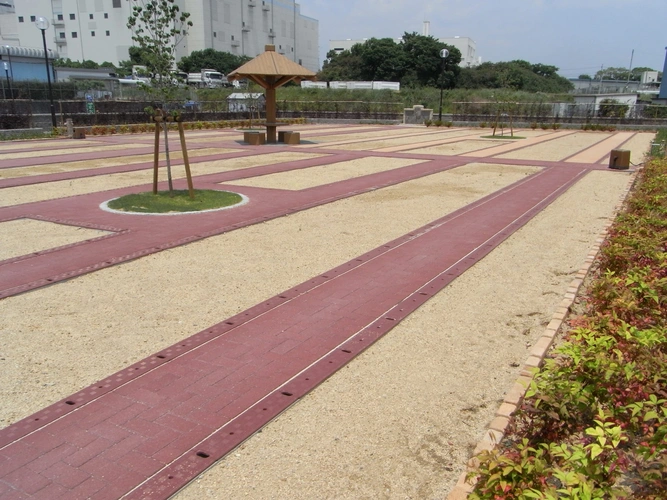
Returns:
(207,78)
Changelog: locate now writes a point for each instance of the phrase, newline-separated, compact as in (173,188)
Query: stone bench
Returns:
(79,133)
(289,137)
(254,138)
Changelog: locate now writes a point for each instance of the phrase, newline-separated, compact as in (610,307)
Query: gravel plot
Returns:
(401,419)
(57,152)
(558,148)
(26,236)
(463,147)
(63,143)
(59,189)
(70,166)
(638,146)
(352,136)
(411,139)
(100,322)
(318,176)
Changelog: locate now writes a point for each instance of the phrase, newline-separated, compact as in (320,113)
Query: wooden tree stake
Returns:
(181,134)
(156,156)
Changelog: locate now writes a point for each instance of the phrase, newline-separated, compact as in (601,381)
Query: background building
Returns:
(244,27)
(97,29)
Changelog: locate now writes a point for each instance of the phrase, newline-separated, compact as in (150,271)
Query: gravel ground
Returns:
(318,176)
(99,163)
(25,236)
(53,190)
(558,148)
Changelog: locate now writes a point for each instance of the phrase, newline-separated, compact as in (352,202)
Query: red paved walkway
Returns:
(147,430)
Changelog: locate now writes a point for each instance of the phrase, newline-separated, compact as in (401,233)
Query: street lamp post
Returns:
(443,55)
(42,24)
(9,84)
(9,58)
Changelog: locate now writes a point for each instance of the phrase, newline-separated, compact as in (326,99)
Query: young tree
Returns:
(157,28)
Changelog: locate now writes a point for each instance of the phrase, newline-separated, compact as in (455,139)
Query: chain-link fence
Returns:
(606,111)
(20,113)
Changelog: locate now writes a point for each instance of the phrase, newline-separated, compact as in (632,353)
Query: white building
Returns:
(466,46)
(97,29)
(244,27)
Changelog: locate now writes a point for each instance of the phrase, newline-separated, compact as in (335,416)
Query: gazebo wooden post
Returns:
(270,70)
(271,113)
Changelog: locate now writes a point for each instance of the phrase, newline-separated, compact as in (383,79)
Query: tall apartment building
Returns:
(97,29)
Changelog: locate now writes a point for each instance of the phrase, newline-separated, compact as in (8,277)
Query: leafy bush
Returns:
(612,108)
(593,423)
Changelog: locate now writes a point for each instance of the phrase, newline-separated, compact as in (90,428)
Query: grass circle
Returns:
(176,202)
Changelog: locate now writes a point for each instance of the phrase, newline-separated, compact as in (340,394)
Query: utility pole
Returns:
(627,83)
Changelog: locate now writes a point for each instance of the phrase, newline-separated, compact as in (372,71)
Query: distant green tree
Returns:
(157,28)
(224,62)
(381,59)
(341,67)
(414,62)
(515,75)
(622,73)
(68,63)
(585,77)
(424,66)
(612,108)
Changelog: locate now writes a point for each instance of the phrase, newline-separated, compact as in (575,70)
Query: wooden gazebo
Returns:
(270,70)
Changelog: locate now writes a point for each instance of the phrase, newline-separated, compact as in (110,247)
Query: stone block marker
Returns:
(417,115)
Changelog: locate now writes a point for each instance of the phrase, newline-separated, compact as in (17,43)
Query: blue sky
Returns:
(576,36)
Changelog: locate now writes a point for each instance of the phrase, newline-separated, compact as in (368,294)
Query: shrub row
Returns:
(437,123)
(594,420)
(138,128)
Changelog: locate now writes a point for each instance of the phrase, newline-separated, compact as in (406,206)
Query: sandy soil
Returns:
(638,145)
(24,236)
(55,152)
(558,148)
(397,422)
(409,139)
(58,189)
(318,176)
(15,146)
(352,136)
(462,147)
(10,173)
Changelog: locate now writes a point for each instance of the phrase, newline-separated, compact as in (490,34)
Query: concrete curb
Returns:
(516,393)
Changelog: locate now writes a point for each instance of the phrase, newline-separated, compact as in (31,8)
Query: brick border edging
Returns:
(514,397)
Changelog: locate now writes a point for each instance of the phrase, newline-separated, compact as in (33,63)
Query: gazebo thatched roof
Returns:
(273,66)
